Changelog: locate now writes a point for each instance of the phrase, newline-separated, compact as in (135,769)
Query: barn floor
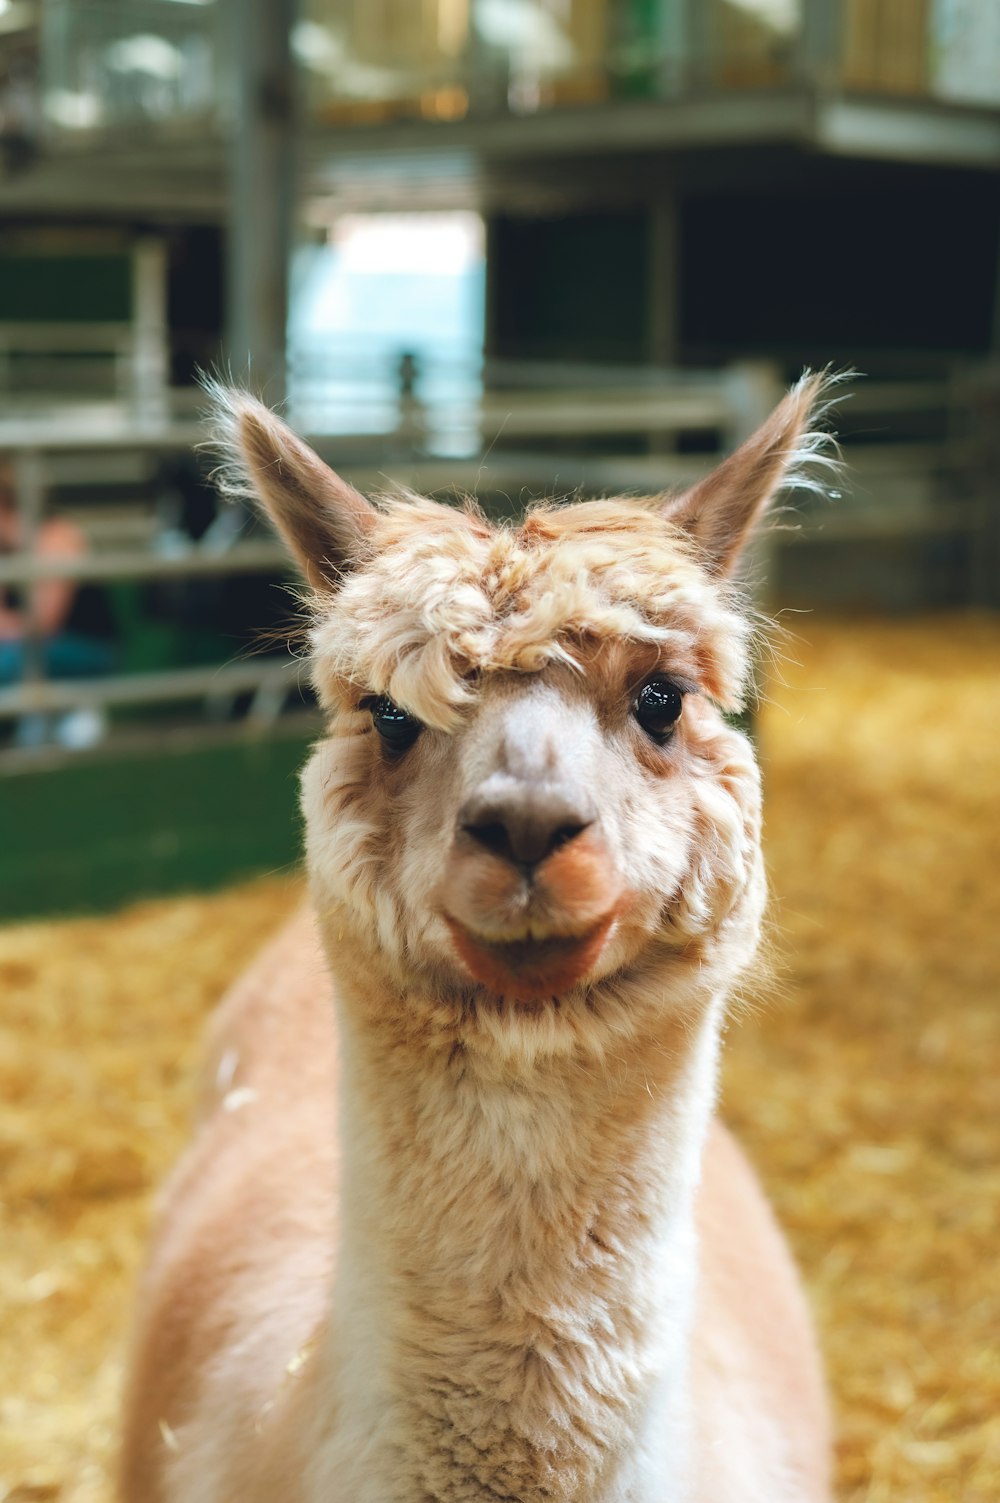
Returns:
(867,1091)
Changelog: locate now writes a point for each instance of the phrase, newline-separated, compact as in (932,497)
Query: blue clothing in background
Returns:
(66,655)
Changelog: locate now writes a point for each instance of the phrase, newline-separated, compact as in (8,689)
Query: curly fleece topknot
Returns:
(446,596)
(442,594)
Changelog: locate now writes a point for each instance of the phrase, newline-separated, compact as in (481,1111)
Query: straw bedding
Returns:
(867,1092)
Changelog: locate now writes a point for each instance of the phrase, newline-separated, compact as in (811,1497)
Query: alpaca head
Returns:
(529,810)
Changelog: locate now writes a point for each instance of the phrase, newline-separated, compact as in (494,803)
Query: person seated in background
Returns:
(68,624)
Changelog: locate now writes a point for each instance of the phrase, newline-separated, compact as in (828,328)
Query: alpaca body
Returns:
(247,1370)
(457,1227)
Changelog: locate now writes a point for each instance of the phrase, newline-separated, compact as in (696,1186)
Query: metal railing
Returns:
(39,448)
(903,487)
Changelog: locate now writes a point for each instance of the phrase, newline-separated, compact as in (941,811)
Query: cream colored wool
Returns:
(526,1266)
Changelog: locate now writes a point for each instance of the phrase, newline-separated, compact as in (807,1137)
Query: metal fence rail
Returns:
(47,696)
(901,488)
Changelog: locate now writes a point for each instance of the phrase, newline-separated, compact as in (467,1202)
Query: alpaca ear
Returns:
(721,511)
(325,522)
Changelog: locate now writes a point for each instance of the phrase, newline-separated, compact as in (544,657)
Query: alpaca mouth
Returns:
(528,969)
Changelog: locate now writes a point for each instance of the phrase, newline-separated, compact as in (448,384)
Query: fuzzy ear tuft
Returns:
(721,511)
(325,522)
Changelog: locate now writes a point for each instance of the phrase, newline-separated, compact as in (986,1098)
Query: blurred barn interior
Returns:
(503,248)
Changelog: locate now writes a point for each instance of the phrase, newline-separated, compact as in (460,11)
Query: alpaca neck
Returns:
(515,1271)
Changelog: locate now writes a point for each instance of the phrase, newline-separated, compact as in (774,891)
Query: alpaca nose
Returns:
(524,825)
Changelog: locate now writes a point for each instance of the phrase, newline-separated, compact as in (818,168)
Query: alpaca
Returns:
(457,1223)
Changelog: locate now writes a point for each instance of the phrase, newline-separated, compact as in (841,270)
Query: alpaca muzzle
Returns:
(532,895)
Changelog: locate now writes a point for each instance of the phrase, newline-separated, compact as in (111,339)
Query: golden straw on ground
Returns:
(867,1092)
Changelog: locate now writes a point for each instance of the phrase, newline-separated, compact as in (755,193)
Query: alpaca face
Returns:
(528,786)
(529,799)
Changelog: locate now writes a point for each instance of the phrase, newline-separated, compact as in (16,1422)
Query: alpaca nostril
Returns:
(565,833)
(493,835)
(525,840)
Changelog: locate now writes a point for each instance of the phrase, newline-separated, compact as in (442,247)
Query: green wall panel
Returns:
(94,288)
(90,837)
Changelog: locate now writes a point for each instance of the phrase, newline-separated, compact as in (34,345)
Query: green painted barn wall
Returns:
(89,837)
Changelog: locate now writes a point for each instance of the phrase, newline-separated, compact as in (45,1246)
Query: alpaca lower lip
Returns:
(529,969)
(526,956)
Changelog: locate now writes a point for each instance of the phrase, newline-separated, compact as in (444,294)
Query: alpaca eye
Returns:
(658,707)
(397,729)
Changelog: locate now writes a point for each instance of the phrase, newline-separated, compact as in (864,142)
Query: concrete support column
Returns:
(262,188)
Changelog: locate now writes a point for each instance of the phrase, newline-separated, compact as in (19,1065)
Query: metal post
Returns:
(818,54)
(29,486)
(693,34)
(261,188)
(754,391)
(664,278)
(663,337)
(150,362)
